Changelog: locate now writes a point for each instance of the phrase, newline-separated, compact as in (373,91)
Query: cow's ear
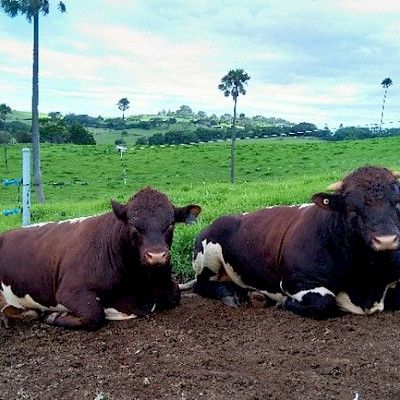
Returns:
(187,214)
(327,201)
(119,210)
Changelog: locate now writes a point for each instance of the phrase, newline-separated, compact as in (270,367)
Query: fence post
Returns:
(26,186)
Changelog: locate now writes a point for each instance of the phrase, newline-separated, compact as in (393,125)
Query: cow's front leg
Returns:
(168,295)
(226,291)
(130,306)
(84,310)
(317,302)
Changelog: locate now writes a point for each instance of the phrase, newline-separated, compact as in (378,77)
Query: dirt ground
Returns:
(204,350)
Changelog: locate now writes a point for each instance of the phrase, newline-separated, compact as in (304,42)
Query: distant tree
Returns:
(5,137)
(82,119)
(304,128)
(226,118)
(184,111)
(141,141)
(31,9)
(232,84)
(352,133)
(54,131)
(23,136)
(385,83)
(55,115)
(80,135)
(201,114)
(123,105)
(5,112)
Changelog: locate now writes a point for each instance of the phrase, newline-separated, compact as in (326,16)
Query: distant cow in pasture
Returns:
(83,271)
(339,253)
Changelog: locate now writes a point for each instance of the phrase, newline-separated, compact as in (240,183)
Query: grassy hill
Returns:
(24,116)
(80,180)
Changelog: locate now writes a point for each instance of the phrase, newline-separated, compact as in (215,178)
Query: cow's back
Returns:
(251,244)
(33,260)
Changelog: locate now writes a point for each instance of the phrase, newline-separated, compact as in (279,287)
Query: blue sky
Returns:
(312,60)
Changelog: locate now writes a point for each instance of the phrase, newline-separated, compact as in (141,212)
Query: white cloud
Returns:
(369,6)
(320,61)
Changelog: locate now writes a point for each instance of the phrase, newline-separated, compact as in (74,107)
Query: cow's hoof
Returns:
(280,305)
(231,301)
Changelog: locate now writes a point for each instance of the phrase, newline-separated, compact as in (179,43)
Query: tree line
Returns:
(300,130)
(55,129)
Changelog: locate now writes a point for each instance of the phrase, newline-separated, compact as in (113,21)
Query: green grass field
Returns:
(80,180)
(108,136)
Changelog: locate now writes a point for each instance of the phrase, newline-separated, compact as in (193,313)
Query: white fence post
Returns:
(26,186)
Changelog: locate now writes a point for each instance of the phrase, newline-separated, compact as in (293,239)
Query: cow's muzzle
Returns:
(156,257)
(385,242)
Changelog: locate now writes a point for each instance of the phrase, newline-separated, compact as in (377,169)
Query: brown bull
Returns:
(340,251)
(83,271)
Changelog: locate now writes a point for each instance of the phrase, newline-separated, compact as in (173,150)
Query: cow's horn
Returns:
(336,186)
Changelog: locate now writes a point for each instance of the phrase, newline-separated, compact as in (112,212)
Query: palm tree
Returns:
(385,83)
(31,9)
(123,105)
(232,84)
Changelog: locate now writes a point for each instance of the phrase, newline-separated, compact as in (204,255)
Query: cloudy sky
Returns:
(311,60)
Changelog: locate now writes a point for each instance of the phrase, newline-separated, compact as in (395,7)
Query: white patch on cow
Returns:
(305,205)
(212,258)
(38,225)
(278,297)
(77,220)
(114,315)
(321,290)
(71,221)
(245,213)
(234,277)
(26,302)
(187,285)
(379,306)
(344,303)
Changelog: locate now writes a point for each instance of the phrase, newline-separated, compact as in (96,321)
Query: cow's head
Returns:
(368,199)
(150,220)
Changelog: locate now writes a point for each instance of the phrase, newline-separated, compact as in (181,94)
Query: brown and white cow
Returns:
(81,272)
(340,251)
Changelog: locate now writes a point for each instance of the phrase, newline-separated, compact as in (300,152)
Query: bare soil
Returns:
(205,350)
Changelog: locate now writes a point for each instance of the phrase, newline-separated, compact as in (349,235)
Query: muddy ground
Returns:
(204,350)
